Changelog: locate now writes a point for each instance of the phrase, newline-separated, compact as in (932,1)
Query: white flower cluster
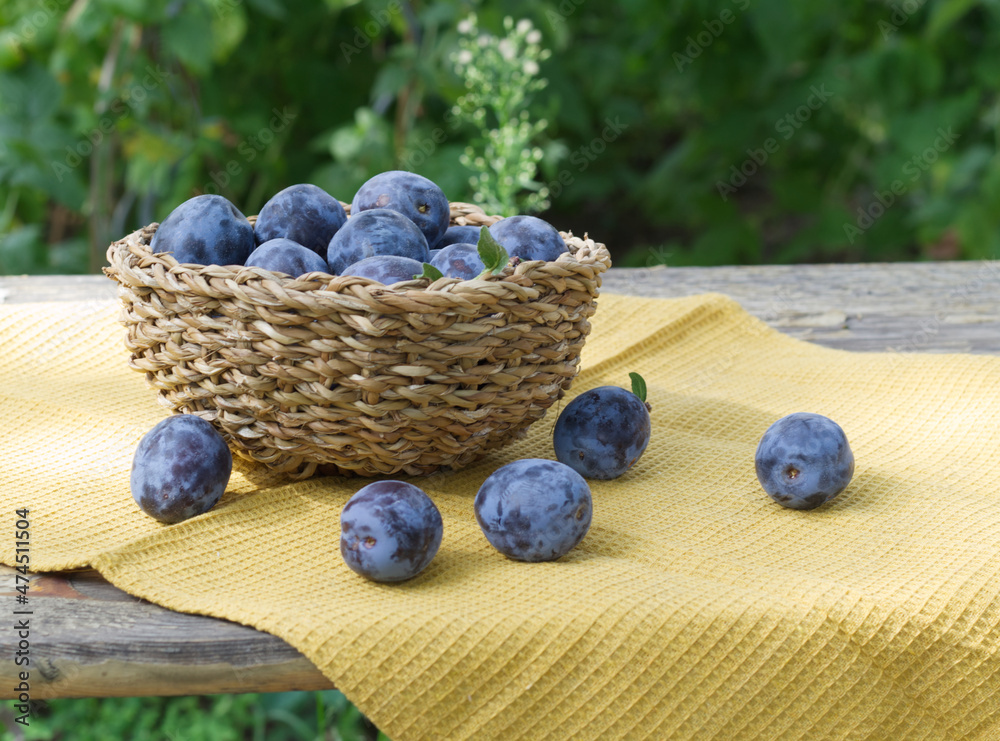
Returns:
(500,76)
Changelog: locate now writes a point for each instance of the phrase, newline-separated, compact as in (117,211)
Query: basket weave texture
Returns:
(343,375)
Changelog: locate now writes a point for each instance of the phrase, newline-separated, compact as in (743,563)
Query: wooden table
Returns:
(93,639)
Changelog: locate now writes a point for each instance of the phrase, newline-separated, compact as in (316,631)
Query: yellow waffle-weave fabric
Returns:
(694,608)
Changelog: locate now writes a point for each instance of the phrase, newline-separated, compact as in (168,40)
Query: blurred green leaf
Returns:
(136,10)
(390,80)
(188,37)
(88,20)
(11,50)
(776,23)
(944,14)
(19,252)
(29,96)
(229,27)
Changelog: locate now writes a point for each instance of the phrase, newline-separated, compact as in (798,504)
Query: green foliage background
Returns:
(114,111)
(281,716)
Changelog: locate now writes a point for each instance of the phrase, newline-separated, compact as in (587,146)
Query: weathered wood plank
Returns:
(91,639)
(902,307)
(87,638)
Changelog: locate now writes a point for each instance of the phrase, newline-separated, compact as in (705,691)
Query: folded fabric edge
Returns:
(704,308)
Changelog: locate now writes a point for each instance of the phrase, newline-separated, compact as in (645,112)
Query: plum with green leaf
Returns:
(528,238)
(603,432)
(459,261)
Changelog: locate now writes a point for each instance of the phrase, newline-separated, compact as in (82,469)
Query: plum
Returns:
(528,238)
(180,469)
(303,213)
(602,432)
(804,460)
(376,232)
(389,531)
(205,230)
(414,196)
(285,256)
(459,261)
(534,509)
(386,269)
(464,234)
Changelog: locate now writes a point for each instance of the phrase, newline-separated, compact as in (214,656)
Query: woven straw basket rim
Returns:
(341,374)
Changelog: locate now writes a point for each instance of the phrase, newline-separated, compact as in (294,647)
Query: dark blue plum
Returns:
(285,256)
(389,531)
(386,269)
(459,261)
(376,232)
(303,213)
(180,469)
(534,509)
(528,237)
(205,230)
(417,198)
(602,432)
(459,235)
(803,460)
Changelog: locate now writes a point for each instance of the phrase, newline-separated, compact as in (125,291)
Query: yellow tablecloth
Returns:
(694,608)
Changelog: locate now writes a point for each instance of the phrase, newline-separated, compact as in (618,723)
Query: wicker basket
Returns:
(344,375)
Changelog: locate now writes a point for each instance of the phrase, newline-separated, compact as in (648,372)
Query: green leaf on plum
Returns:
(492,253)
(430,272)
(638,386)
